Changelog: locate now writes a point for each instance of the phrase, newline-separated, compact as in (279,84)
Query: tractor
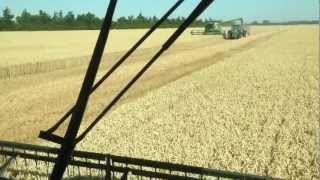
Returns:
(238,29)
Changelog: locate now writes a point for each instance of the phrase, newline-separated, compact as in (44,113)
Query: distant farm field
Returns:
(32,47)
(25,53)
(39,46)
(248,105)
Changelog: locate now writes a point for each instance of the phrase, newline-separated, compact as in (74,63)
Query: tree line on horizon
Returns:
(70,21)
(89,21)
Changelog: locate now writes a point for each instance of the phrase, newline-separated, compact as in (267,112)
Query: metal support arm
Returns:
(48,135)
(68,145)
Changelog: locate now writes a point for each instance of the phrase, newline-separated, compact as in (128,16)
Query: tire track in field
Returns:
(72,67)
(158,79)
(14,71)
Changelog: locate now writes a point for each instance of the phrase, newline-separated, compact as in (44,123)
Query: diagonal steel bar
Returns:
(202,6)
(68,144)
(48,134)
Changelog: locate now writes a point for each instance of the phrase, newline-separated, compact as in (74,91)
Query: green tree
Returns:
(141,21)
(25,18)
(44,18)
(57,18)
(131,22)
(69,18)
(24,21)
(121,22)
(1,23)
(43,21)
(88,21)
(6,21)
(265,22)
(255,23)
(154,19)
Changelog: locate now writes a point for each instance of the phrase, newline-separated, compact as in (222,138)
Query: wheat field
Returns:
(254,112)
(18,48)
(26,53)
(248,105)
(30,47)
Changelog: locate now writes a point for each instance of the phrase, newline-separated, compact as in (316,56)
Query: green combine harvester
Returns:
(232,29)
(211,28)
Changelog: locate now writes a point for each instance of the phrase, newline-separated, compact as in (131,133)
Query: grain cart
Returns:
(211,28)
(238,29)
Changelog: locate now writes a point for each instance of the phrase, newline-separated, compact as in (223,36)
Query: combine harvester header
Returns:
(211,28)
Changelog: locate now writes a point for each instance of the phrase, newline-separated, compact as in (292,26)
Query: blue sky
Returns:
(274,10)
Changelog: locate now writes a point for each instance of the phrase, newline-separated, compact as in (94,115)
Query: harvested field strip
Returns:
(18,48)
(58,63)
(51,100)
(33,47)
(10,72)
